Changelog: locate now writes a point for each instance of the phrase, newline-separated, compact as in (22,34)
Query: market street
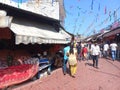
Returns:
(107,77)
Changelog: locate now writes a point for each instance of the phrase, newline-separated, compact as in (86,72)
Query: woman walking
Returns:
(72,60)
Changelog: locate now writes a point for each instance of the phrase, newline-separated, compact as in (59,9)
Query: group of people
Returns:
(73,51)
(110,49)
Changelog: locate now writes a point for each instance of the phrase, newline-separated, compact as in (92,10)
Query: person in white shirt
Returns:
(95,51)
(113,47)
(105,50)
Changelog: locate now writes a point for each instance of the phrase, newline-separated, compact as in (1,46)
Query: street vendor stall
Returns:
(23,38)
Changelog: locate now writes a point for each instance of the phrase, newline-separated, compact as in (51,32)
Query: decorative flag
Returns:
(83,19)
(106,20)
(99,7)
(76,20)
(94,31)
(90,12)
(78,7)
(115,15)
(105,10)
(110,15)
(74,28)
(71,6)
(102,31)
(78,14)
(84,11)
(68,12)
(92,4)
(115,24)
(97,16)
(19,2)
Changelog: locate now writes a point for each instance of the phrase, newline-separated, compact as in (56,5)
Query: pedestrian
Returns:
(78,49)
(89,52)
(65,58)
(95,51)
(118,51)
(101,50)
(84,52)
(113,47)
(105,50)
(81,53)
(72,60)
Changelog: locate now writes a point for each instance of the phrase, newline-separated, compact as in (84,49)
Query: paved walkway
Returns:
(107,77)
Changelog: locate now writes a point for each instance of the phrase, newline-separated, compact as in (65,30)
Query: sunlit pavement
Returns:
(107,77)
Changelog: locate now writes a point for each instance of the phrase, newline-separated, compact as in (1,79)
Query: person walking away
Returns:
(78,50)
(65,58)
(95,51)
(81,53)
(101,50)
(88,54)
(84,52)
(72,60)
(118,51)
(113,47)
(105,50)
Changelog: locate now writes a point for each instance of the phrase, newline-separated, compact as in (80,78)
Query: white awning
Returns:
(29,34)
(5,21)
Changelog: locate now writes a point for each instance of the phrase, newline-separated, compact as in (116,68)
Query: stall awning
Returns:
(5,21)
(112,32)
(29,34)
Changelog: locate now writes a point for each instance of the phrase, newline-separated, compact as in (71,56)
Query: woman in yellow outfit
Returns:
(72,60)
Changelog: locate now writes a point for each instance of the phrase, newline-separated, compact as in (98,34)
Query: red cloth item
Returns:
(85,50)
(17,74)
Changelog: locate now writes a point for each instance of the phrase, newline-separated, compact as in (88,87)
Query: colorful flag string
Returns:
(99,7)
(105,9)
(92,4)
(110,15)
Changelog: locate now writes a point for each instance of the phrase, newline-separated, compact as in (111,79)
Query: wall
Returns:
(45,8)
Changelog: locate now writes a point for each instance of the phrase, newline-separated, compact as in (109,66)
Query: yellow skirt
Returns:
(73,69)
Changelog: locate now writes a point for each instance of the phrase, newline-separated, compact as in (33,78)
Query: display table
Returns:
(44,65)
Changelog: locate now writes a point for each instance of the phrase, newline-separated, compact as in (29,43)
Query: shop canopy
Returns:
(112,32)
(29,34)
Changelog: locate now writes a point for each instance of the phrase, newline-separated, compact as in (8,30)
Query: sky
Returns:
(86,17)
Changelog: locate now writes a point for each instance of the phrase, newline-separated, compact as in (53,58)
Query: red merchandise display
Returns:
(17,74)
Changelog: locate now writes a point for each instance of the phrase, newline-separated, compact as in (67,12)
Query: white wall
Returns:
(43,7)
